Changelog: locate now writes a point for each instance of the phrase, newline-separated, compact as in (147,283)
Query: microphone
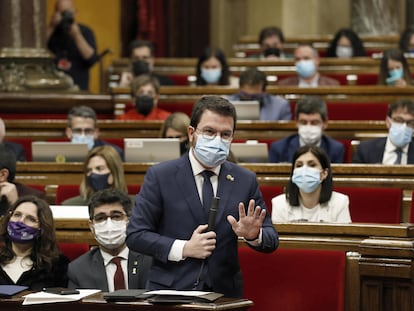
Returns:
(212,213)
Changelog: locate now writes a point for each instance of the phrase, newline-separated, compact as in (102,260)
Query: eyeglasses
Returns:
(210,134)
(399,120)
(115,216)
(26,219)
(80,131)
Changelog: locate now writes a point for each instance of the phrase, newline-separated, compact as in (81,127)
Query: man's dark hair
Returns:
(8,161)
(109,196)
(269,32)
(139,44)
(81,111)
(253,76)
(404,103)
(311,104)
(215,104)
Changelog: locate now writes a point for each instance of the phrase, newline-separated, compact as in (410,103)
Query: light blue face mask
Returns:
(211,152)
(211,75)
(84,139)
(394,75)
(305,68)
(400,134)
(306,178)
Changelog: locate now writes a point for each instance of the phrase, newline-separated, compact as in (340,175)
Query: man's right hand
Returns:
(201,245)
(9,190)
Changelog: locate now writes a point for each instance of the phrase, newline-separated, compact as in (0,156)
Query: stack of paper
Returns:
(43,297)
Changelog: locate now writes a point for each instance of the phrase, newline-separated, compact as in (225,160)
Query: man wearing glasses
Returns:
(111,266)
(82,129)
(172,211)
(397,147)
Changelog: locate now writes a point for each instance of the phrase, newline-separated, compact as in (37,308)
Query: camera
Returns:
(67,20)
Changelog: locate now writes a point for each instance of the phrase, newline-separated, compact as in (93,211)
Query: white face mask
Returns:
(110,234)
(310,134)
(343,51)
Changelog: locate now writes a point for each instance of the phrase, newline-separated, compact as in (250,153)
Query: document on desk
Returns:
(180,296)
(44,297)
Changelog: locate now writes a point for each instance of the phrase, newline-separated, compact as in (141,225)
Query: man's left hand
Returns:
(248,225)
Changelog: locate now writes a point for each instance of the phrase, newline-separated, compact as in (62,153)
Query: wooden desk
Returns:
(97,303)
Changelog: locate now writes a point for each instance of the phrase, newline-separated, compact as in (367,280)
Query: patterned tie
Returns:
(119,280)
(398,151)
(207,190)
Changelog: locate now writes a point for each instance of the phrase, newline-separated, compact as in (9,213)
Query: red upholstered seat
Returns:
(374,205)
(73,250)
(294,279)
(268,193)
(412,208)
(64,192)
(186,107)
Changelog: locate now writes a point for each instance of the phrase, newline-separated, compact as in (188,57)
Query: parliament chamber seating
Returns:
(374,205)
(26,143)
(268,193)
(64,192)
(294,279)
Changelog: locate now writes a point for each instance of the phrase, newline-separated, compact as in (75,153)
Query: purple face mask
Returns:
(21,233)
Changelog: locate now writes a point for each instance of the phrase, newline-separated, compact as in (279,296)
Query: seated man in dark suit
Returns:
(18,149)
(307,64)
(311,119)
(82,129)
(397,147)
(10,190)
(109,212)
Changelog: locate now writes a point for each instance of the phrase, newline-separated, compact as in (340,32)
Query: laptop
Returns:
(43,151)
(247,109)
(151,149)
(250,152)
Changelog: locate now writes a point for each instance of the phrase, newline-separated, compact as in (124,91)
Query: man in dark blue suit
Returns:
(397,147)
(169,220)
(311,120)
(17,149)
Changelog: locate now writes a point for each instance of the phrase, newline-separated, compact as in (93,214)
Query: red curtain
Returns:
(150,25)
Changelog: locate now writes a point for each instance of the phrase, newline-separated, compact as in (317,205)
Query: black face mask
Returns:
(140,67)
(144,104)
(271,51)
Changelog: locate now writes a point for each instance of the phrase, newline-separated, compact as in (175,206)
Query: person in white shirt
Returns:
(309,194)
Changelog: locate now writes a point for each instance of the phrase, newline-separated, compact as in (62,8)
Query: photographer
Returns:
(73,44)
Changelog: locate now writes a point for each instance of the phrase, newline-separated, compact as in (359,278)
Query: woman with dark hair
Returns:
(212,68)
(406,43)
(29,255)
(309,194)
(346,44)
(394,69)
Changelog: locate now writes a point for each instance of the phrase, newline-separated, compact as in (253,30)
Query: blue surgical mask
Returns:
(84,139)
(343,51)
(305,68)
(306,178)
(98,181)
(211,152)
(400,134)
(394,75)
(211,75)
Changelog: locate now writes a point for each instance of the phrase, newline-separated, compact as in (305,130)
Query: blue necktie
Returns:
(398,151)
(207,190)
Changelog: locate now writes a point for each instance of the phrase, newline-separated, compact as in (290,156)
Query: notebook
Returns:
(7,291)
(151,149)
(58,151)
(247,109)
(250,152)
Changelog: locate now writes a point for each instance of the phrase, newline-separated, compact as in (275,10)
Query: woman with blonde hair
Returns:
(103,168)
(176,126)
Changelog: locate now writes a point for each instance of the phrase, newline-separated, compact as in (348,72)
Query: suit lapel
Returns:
(98,269)
(133,270)
(185,178)
(226,183)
